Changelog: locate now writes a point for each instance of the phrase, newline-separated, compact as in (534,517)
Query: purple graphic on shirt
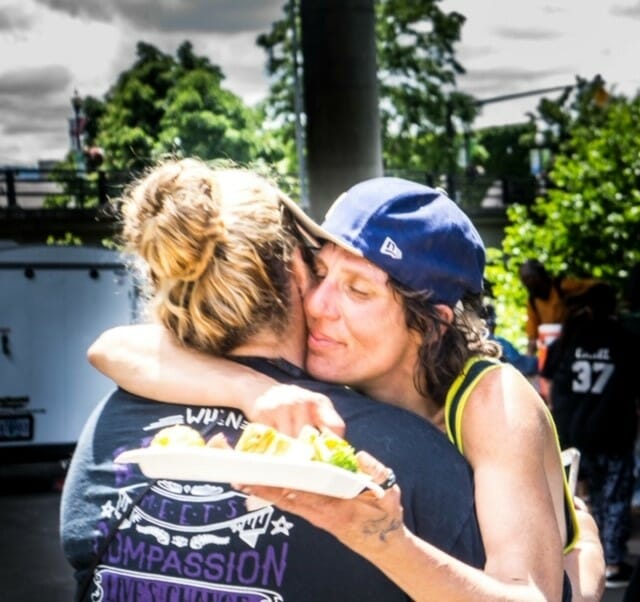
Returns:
(114,585)
(191,542)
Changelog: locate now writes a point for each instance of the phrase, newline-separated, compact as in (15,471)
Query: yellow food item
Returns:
(178,435)
(330,448)
(310,444)
(262,439)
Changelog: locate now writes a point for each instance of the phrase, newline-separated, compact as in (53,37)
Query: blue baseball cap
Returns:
(415,233)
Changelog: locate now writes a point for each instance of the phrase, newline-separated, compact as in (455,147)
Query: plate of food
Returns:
(318,462)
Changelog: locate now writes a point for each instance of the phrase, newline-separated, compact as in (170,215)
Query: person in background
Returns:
(527,364)
(391,245)
(630,310)
(594,397)
(630,319)
(224,260)
(547,297)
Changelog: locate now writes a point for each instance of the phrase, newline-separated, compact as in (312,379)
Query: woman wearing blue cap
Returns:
(394,313)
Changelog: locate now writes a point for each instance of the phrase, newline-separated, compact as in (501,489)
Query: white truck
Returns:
(54,301)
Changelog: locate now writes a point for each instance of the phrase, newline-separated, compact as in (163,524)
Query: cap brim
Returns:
(309,226)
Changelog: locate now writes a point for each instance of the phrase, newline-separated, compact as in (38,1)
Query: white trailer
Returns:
(54,301)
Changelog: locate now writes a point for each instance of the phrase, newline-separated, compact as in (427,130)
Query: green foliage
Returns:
(588,222)
(68,240)
(77,189)
(204,120)
(110,243)
(165,105)
(417,70)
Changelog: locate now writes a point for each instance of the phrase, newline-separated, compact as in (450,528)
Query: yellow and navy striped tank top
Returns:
(457,398)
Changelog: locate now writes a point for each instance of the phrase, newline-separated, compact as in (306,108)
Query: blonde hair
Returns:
(217,245)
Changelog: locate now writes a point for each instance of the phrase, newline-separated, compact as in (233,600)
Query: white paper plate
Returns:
(230,466)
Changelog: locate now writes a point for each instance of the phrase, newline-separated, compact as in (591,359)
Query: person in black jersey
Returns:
(594,396)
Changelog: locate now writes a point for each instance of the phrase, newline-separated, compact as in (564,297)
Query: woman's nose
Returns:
(320,300)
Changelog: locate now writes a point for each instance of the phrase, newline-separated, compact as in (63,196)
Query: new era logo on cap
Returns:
(430,244)
(390,248)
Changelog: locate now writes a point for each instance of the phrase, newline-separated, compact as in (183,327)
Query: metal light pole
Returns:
(299,106)
(76,143)
(340,87)
(76,103)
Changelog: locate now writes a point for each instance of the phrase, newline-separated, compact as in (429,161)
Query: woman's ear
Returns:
(446,314)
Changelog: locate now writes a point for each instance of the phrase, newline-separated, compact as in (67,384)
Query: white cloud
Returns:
(507,46)
(58,46)
(511,47)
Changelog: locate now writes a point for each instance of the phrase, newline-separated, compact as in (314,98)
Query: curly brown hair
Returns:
(445,346)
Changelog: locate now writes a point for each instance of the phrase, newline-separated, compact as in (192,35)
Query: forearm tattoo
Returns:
(382,527)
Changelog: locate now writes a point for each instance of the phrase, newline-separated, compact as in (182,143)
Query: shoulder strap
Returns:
(459,392)
(570,515)
(457,398)
(86,584)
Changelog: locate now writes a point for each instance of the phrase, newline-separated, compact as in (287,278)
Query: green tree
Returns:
(176,105)
(203,119)
(421,110)
(279,109)
(417,69)
(588,221)
(163,105)
(134,107)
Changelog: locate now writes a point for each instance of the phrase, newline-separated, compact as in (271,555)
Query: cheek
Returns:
(307,294)
(379,327)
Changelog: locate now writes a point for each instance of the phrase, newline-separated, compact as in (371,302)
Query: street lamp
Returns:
(76,103)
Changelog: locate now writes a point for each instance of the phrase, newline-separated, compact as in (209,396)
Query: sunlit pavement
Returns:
(32,566)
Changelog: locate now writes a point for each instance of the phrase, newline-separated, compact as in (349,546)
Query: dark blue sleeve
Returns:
(527,364)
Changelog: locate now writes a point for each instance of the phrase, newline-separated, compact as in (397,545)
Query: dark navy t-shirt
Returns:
(197,542)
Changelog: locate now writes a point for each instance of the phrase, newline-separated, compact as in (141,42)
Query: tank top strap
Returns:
(457,397)
(570,513)
(459,393)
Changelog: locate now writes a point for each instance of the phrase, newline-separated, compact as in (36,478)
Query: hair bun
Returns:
(173,220)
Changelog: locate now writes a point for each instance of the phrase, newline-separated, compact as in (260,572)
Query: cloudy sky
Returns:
(51,47)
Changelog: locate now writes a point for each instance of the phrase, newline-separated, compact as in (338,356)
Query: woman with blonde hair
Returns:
(223,259)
